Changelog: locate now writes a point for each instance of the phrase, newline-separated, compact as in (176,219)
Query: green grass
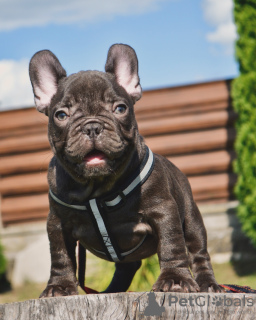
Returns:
(143,281)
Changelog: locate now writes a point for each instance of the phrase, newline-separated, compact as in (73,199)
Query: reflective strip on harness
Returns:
(136,181)
(103,230)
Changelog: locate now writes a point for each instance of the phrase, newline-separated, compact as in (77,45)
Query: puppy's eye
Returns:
(120,109)
(61,115)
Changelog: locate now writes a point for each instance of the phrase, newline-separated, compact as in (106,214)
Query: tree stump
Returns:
(131,305)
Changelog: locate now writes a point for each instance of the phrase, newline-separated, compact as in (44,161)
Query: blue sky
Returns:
(177,41)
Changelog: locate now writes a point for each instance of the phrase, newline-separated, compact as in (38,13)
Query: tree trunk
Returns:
(139,305)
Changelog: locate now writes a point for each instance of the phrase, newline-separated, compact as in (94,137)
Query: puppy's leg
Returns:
(123,276)
(196,242)
(63,280)
(173,259)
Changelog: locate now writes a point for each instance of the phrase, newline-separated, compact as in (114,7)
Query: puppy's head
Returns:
(92,127)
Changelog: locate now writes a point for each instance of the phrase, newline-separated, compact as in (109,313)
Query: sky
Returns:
(177,42)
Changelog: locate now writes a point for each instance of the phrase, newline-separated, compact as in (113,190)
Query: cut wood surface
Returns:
(135,305)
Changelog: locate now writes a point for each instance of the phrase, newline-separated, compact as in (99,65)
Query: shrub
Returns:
(244,102)
(2,262)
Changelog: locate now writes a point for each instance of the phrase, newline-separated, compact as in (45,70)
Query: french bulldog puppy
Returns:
(107,190)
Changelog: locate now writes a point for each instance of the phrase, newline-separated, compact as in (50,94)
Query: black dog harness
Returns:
(98,207)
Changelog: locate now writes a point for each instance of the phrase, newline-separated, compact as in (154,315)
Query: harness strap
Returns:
(95,207)
(81,269)
(111,247)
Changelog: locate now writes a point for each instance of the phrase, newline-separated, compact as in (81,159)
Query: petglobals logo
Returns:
(220,303)
(201,301)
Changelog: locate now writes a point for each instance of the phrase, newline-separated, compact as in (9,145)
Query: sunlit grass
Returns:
(145,277)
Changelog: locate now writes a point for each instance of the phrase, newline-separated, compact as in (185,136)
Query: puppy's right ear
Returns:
(45,72)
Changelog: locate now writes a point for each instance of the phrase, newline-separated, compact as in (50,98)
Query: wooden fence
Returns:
(191,125)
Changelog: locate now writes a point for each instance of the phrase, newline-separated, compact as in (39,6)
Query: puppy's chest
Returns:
(126,225)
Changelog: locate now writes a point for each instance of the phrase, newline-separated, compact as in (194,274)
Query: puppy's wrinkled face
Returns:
(92,125)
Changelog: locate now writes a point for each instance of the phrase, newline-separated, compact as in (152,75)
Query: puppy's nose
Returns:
(92,129)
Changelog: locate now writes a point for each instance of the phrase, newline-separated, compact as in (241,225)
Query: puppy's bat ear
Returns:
(122,62)
(45,72)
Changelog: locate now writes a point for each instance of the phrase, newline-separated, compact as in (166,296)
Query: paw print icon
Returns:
(217,301)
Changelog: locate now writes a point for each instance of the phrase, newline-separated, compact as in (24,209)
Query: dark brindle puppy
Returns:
(99,155)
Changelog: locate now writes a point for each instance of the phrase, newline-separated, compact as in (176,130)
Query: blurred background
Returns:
(187,63)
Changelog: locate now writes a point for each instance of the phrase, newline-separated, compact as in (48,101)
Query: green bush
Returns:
(2,262)
(244,102)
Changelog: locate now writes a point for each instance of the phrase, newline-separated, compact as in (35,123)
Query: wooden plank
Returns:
(24,131)
(165,144)
(205,185)
(23,118)
(169,98)
(200,185)
(182,110)
(25,183)
(28,162)
(184,96)
(213,197)
(192,142)
(23,204)
(186,123)
(23,144)
(16,217)
(202,163)
(189,164)
(209,162)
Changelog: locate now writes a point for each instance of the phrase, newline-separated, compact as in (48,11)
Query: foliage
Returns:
(244,101)
(2,262)
(143,280)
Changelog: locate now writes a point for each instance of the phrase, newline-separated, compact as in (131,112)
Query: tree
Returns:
(244,102)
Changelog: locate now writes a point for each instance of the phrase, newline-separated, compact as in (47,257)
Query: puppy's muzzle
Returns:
(92,129)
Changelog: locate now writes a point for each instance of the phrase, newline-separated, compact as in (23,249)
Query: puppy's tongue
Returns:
(95,158)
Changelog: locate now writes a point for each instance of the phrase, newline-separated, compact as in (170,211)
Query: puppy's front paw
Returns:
(169,282)
(211,287)
(207,283)
(58,290)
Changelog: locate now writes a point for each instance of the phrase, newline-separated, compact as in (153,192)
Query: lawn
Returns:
(225,274)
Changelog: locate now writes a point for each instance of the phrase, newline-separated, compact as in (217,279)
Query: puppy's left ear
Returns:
(122,62)
(45,72)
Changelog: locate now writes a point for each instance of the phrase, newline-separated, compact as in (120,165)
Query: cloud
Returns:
(219,14)
(15,87)
(24,13)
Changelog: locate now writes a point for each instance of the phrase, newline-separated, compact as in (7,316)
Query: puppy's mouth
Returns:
(95,158)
